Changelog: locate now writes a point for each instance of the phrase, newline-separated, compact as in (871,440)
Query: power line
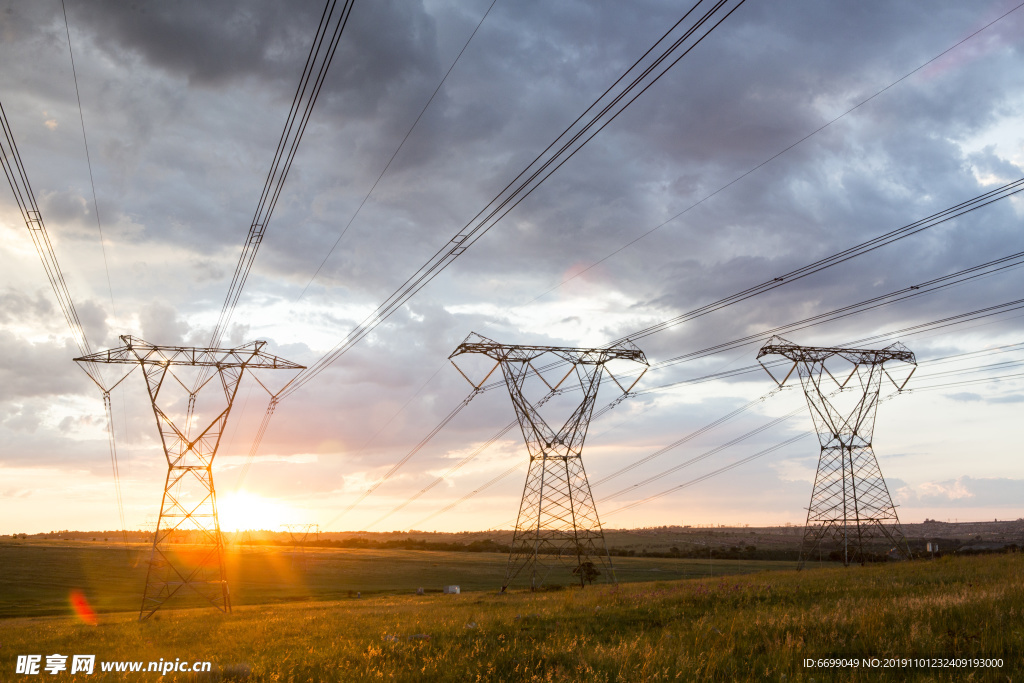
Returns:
(592,121)
(705,429)
(936,219)
(88,159)
(416,449)
(965,275)
(796,438)
(752,170)
(603,111)
(721,470)
(321,53)
(397,150)
(110,288)
(14,170)
(771,158)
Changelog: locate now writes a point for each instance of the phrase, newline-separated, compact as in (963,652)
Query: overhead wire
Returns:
(936,219)
(709,475)
(110,288)
(88,159)
(794,439)
(254,447)
(321,54)
(594,119)
(416,449)
(787,442)
(587,125)
(455,468)
(935,284)
(579,272)
(397,150)
(775,156)
(17,178)
(706,428)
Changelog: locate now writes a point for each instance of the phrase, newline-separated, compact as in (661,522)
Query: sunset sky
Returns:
(183,104)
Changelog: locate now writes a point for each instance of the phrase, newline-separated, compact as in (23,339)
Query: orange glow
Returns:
(244,510)
(83,610)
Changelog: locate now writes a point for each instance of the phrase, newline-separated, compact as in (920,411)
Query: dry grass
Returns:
(753,627)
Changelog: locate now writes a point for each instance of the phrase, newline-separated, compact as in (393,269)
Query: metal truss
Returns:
(850,507)
(188,550)
(299,534)
(558,525)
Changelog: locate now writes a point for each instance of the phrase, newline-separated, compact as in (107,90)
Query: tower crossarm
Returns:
(517,353)
(817,354)
(139,351)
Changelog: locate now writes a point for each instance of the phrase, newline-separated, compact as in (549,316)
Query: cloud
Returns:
(965,491)
(183,106)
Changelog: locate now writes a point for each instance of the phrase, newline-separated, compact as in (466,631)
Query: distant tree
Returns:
(587,572)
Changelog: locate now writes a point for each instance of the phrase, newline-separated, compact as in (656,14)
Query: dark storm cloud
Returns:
(207,43)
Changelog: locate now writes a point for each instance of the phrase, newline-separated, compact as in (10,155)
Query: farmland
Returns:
(757,626)
(39,576)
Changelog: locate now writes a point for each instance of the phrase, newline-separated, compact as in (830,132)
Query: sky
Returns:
(183,105)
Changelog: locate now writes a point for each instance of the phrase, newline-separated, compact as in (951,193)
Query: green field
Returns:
(38,577)
(752,627)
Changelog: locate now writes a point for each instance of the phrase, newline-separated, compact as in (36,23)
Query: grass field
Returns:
(38,577)
(752,627)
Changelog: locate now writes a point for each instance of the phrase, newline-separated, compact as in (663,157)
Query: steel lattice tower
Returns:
(558,523)
(850,503)
(188,549)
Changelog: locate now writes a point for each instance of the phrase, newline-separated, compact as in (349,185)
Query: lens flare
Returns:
(83,610)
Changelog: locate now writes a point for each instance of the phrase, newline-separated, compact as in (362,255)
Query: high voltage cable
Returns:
(759,454)
(959,277)
(721,470)
(763,428)
(942,359)
(689,437)
(479,489)
(321,53)
(397,150)
(110,288)
(984,380)
(932,221)
(980,201)
(88,159)
(254,447)
(897,296)
(603,111)
(14,170)
(778,446)
(779,154)
(466,460)
(416,449)
(17,178)
(703,456)
(593,120)
(773,157)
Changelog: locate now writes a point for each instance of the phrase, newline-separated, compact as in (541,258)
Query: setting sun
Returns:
(244,510)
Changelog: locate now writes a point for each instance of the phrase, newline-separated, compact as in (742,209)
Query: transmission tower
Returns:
(187,559)
(299,533)
(557,523)
(850,504)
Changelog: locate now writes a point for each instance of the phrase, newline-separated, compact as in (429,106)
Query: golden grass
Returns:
(753,627)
